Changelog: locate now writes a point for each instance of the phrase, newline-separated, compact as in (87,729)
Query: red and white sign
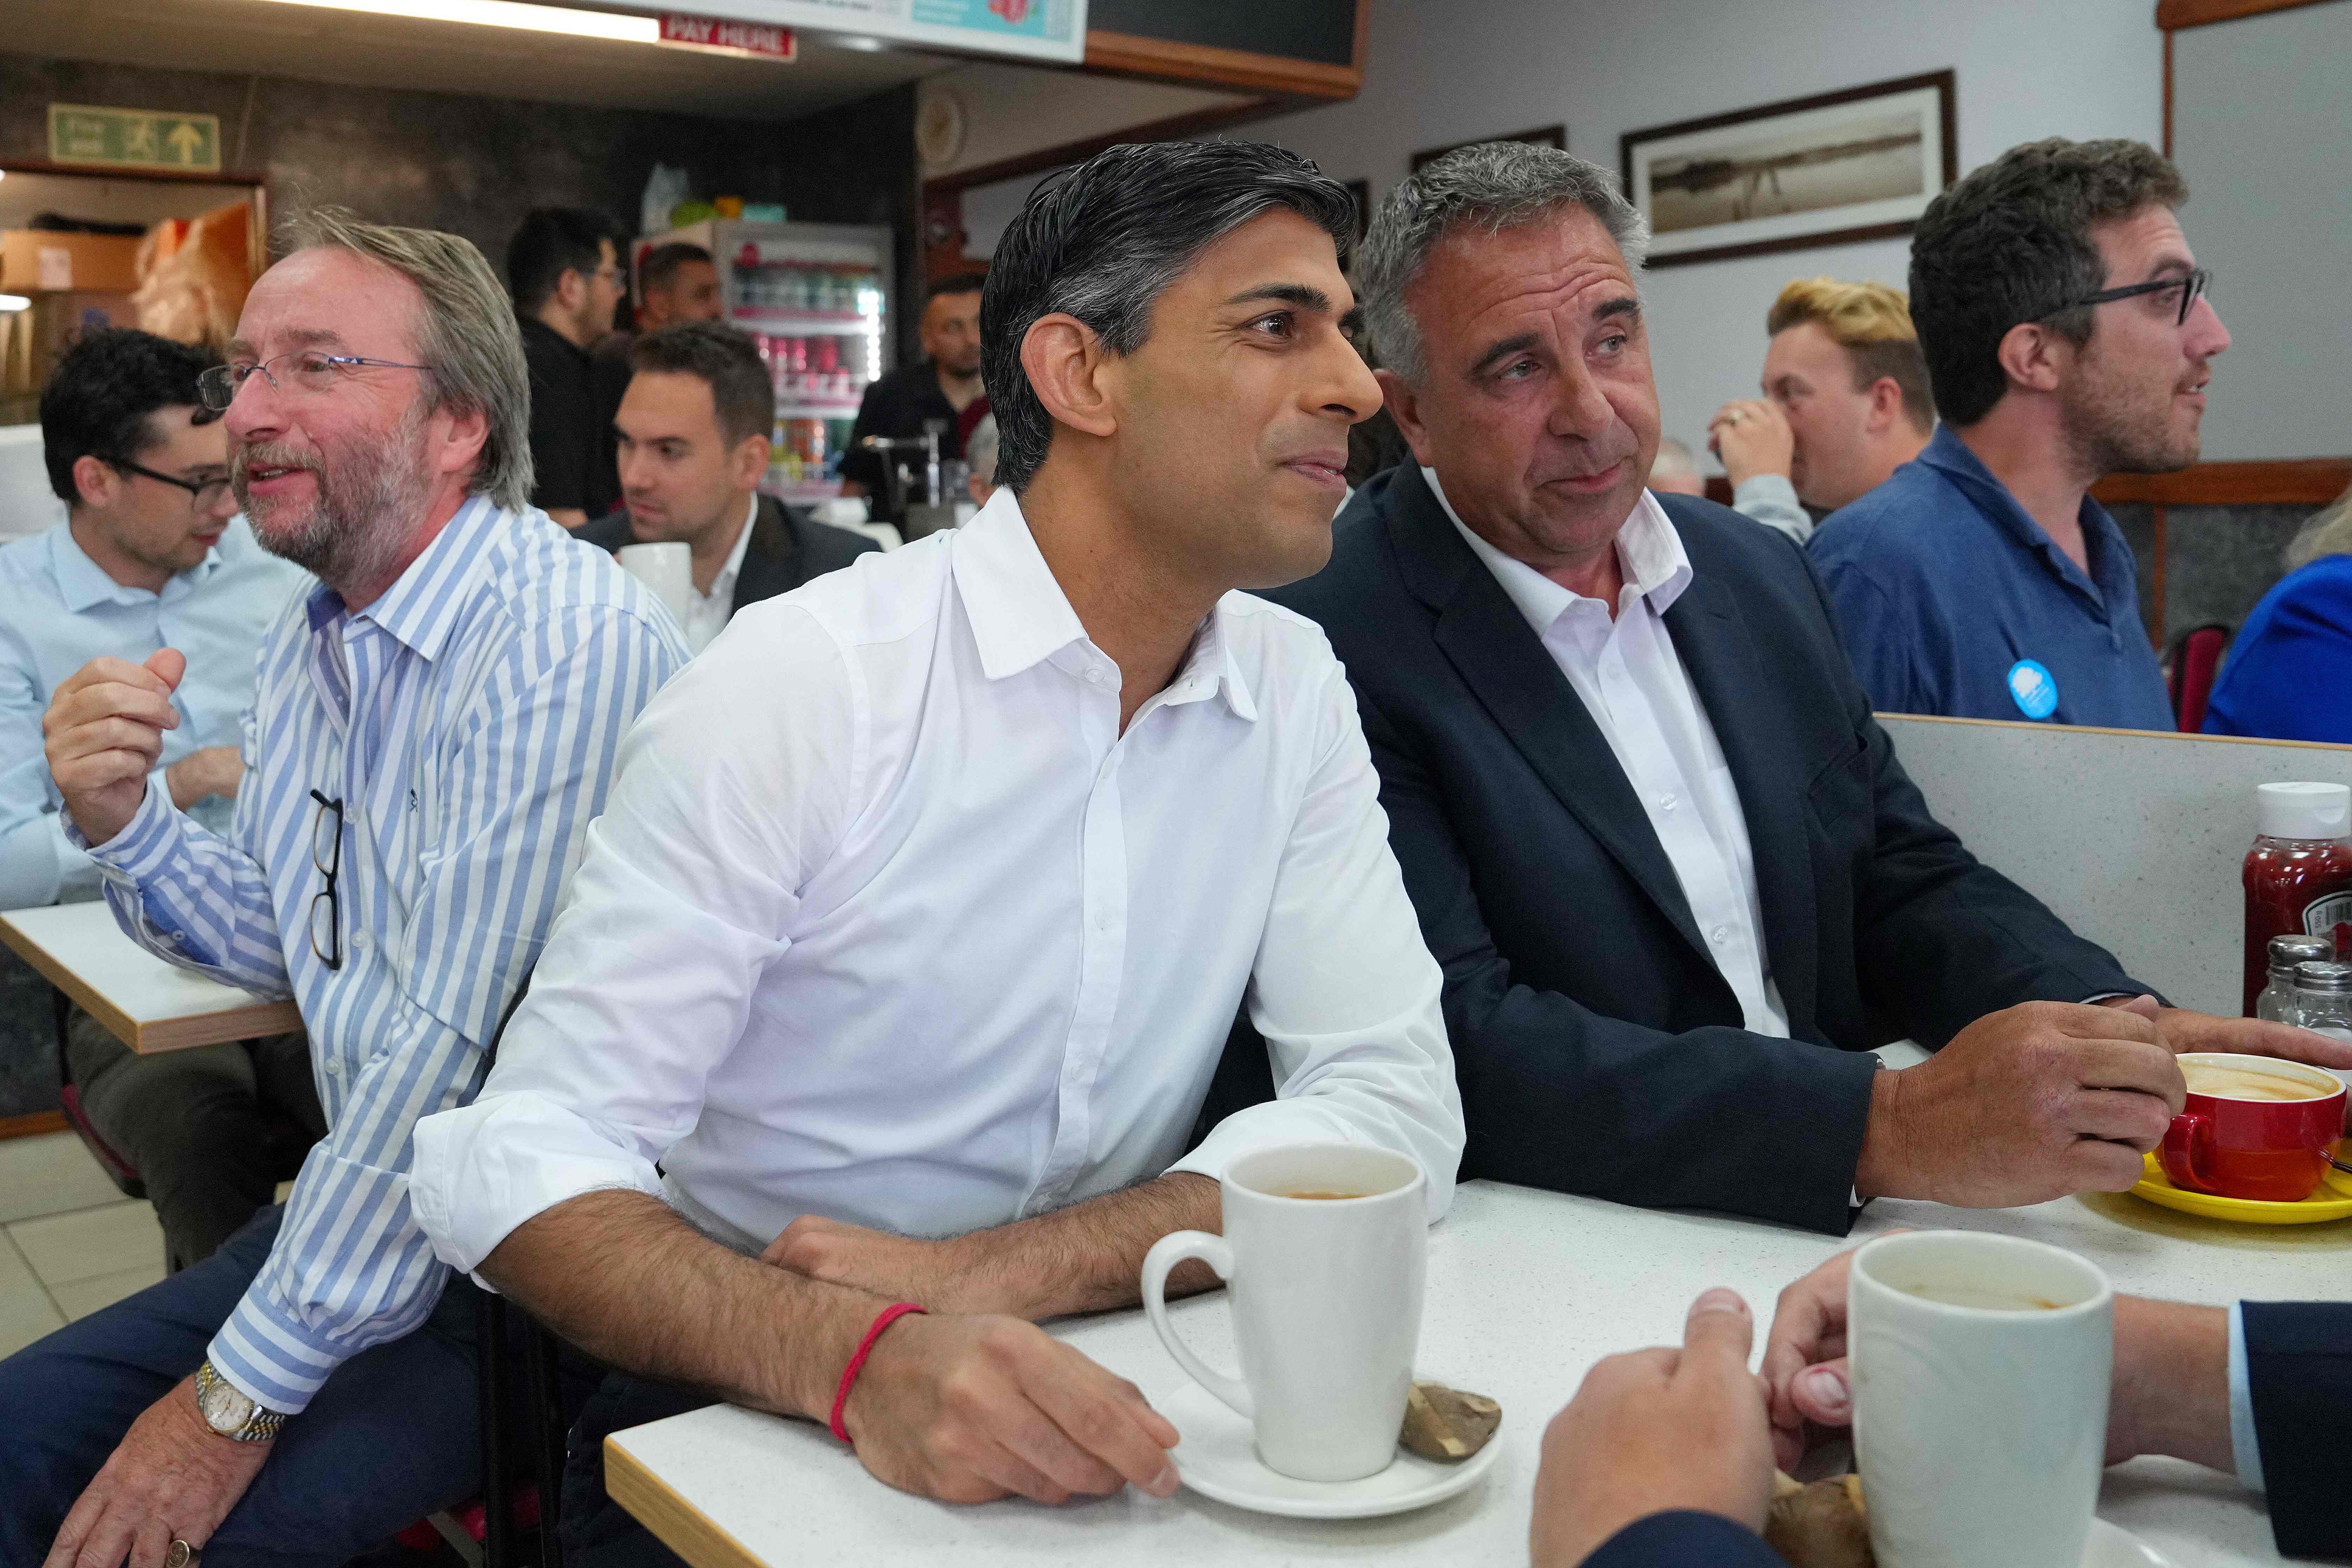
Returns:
(729,37)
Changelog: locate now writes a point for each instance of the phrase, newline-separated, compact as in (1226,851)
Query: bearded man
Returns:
(2067,336)
(432,731)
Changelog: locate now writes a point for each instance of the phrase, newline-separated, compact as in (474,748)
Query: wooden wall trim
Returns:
(2174,13)
(2286,482)
(33,1125)
(1125,54)
(1175,127)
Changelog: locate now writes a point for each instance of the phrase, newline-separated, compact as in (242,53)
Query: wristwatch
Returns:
(228,1412)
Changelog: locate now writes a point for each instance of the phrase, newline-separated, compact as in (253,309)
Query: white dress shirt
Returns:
(706,613)
(1627,673)
(886,921)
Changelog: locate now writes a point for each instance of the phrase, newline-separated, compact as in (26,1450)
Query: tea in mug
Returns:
(1321,1197)
(1983,1298)
(2245,1083)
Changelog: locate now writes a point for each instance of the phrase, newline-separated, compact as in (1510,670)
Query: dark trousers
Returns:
(598,1532)
(393,1436)
(212,1130)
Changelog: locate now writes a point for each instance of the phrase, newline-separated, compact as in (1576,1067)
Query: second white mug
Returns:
(1326,1293)
(668,569)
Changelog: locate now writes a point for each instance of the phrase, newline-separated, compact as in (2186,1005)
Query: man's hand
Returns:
(215,770)
(969,1409)
(105,731)
(2184,1031)
(2171,1388)
(940,1276)
(2024,1106)
(1654,1431)
(1752,437)
(172,1478)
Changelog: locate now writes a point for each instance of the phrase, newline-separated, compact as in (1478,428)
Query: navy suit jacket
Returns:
(2299,1370)
(785,552)
(1685,1540)
(1599,1049)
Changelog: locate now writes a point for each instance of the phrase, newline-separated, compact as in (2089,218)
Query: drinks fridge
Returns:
(817,299)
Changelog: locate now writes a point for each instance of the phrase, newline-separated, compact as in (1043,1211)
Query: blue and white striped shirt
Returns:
(467,720)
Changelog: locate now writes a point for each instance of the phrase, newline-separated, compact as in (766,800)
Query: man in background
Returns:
(151,555)
(693,443)
(1675,472)
(1845,403)
(2068,335)
(676,282)
(563,267)
(934,391)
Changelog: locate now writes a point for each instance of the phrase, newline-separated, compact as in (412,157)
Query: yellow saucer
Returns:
(2327,1203)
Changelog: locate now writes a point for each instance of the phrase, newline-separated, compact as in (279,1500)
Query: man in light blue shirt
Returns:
(151,555)
(432,731)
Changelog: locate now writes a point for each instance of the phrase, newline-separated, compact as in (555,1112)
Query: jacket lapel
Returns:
(767,568)
(1491,646)
(1719,650)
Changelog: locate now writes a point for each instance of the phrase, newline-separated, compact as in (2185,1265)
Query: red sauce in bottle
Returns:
(2298,883)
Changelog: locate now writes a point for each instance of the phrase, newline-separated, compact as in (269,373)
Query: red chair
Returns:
(2190,668)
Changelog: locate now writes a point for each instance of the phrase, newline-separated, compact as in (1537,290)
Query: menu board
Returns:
(1032,30)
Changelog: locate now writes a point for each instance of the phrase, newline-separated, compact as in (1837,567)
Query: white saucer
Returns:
(1218,1458)
(2112,1546)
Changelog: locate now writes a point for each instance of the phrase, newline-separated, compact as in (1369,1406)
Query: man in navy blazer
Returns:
(1676,878)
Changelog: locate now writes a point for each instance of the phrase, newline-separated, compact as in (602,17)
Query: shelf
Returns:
(800,492)
(816,411)
(798,323)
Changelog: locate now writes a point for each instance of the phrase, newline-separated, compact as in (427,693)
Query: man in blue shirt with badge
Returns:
(2067,337)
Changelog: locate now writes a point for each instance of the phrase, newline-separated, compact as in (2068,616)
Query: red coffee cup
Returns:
(2242,1145)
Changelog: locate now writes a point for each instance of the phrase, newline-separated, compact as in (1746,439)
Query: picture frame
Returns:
(1861,164)
(1541,136)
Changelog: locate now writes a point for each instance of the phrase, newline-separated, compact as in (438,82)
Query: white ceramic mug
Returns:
(668,569)
(1979,1412)
(1325,1298)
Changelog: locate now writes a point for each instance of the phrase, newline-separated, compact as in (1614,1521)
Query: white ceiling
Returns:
(258,36)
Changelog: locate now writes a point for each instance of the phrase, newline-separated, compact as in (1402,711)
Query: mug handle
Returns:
(1165,1254)
(2190,1134)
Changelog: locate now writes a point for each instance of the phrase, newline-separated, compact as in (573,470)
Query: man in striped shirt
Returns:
(432,732)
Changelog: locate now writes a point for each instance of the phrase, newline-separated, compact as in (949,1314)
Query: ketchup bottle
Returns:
(2298,876)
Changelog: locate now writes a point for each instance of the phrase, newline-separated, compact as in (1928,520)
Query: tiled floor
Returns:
(70,1243)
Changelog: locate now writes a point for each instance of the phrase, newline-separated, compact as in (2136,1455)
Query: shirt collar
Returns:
(1953,457)
(723,585)
(1649,552)
(82,582)
(1019,616)
(422,606)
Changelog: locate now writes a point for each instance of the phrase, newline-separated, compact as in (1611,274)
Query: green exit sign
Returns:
(134,138)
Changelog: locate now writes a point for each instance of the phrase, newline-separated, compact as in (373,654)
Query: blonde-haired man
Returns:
(1845,403)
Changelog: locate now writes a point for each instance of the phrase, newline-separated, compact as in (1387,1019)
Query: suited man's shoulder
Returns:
(827,547)
(1362,570)
(608,533)
(1720,541)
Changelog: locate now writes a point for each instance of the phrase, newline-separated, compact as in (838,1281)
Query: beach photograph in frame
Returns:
(1863,163)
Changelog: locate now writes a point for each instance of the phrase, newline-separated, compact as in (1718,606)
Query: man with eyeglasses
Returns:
(431,731)
(2067,337)
(564,268)
(151,555)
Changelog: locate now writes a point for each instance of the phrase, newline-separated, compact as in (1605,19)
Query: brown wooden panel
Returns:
(32,1126)
(676,1523)
(2172,13)
(2287,482)
(1125,54)
(1174,129)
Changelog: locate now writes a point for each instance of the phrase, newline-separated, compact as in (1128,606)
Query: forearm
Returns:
(1087,1257)
(2171,1383)
(620,1275)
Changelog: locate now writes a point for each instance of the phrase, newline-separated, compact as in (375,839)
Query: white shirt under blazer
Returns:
(885,921)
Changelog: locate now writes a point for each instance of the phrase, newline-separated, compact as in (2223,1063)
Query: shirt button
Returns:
(1667,803)
(1720,936)
(362,941)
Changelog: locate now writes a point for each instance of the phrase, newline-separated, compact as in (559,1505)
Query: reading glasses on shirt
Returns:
(312,372)
(2192,287)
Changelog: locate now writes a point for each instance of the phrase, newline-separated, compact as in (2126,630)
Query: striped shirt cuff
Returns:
(270,1358)
(145,845)
(2245,1447)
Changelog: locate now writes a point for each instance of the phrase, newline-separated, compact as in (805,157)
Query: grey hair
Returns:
(466,336)
(2329,533)
(1491,186)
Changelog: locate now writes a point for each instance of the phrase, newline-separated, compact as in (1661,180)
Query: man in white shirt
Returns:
(1677,879)
(692,433)
(912,936)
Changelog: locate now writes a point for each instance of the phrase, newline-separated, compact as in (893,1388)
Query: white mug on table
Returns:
(668,569)
(1325,1292)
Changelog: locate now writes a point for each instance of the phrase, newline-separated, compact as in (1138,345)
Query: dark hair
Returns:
(726,361)
(551,242)
(662,262)
(99,398)
(1101,242)
(2011,243)
(962,283)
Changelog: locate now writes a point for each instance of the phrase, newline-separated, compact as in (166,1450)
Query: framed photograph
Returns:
(1858,164)
(1542,136)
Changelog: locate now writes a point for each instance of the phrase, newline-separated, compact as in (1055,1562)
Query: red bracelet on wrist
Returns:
(882,1320)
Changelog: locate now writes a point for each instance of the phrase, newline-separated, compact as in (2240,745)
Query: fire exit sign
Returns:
(134,138)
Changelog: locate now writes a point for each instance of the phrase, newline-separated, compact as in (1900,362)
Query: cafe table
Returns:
(147,1004)
(1526,1290)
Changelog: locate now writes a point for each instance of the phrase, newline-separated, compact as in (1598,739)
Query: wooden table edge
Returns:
(676,1523)
(248,1022)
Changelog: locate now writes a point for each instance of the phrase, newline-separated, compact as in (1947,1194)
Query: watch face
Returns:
(224,1407)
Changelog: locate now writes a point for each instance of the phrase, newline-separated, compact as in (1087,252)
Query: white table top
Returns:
(1526,1290)
(149,1004)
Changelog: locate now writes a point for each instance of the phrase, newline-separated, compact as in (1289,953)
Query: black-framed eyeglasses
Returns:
(207,492)
(329,858)
(312,372)
(2192,287)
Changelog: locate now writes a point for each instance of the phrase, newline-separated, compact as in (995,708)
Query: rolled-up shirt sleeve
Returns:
(682,901)
(1344,991)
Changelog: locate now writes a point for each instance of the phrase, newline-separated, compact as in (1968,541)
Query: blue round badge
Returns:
(2034,688)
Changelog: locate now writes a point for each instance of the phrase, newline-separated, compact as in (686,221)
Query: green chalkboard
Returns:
(1323,31)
